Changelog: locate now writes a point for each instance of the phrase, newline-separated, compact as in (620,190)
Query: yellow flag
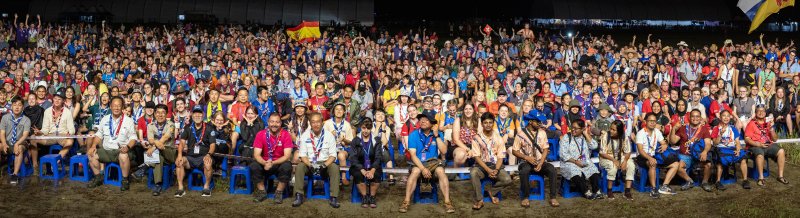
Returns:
(305,32)
(767,8)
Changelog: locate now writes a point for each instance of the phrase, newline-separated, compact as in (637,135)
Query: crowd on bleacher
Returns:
(209,99)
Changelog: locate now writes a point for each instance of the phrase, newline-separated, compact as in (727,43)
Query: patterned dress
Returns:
(577,148)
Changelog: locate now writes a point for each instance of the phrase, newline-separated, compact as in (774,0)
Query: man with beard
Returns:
(694,142)
(272,151)
(366,98)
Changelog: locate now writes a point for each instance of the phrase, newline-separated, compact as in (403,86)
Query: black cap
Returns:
(61,93)
(502,92)
(150,104)
(427,116)
(197,109)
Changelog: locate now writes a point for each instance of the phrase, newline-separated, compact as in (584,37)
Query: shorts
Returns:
(195,162)
(770,152)
(111,155)
(687,159)
(642,162)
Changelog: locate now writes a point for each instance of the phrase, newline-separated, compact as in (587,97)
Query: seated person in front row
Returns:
(576,165)
(272,150)
(654,152)
(198,143)
(694,143)
(615,154)
(365,162)
(760,138)
(317,155)
(14,129)
(57,121)
(728,149)
(488,151)
(425,146)
(161,139)
(117,135)
(532,148)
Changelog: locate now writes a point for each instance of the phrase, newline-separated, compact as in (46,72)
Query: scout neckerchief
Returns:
(690,135)
(57,118)
(111,128)
(14,123)
(316,147)
(160,130)
(764,129)
(212,109)
(726,136)
(264,108)
(502,124)
(486,149)
(268,139)
(137,113)
(338,128)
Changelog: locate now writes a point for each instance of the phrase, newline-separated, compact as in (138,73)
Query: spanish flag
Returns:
(759,10)
(305,32)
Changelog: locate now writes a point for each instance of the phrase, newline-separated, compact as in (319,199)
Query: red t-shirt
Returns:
(273,143)
(760,132)
(715,108)
(409,127)
(317,104)
(700,133)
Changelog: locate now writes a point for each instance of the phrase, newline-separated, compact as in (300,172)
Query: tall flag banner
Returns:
(307,31)
(487,29)
(758,10)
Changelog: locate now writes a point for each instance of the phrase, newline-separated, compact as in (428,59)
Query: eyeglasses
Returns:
(651,121)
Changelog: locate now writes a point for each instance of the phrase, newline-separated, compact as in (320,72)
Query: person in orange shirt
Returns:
(501,100)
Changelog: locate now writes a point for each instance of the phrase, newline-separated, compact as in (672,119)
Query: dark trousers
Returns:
(281,171)
(526,169)
(583,184)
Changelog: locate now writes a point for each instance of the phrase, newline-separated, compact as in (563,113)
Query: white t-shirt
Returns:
(649,142)
(123,136)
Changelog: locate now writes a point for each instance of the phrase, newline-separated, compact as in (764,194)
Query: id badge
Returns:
(424,156)
(367,165)
(197,149)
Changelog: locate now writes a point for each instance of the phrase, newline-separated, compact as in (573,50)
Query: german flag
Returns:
(305,32)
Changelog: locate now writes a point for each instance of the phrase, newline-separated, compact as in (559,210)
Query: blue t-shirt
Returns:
(264,109)
(425,145)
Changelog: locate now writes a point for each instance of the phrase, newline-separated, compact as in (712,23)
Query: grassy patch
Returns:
(792,153)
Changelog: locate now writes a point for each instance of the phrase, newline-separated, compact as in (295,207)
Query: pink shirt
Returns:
(273,143)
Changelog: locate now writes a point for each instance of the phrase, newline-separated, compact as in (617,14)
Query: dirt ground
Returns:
(71,199)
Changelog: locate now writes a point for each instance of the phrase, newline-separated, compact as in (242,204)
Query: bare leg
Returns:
(459,157)
(362,188)
(412,183)
(444,184)
(207,170)
(343,163)
(673,169)
(94,163)
(66,144)
(373,188)
(180,170)
(706,171)
(719,172)
(682,172)
(760,166)
(743,168)
(781,162)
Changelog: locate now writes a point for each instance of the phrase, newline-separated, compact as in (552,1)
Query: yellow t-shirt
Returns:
(389,95)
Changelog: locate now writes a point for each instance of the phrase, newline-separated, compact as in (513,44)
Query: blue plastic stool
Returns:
(355,196)
(224,166)
(566,190)
(391,152)
(50,164)
(166,180)
(426,197)
(79,169)
(753,172)
(310,191)
(54,149)
(486,196)
(244,172)
(619,183)
(537,192)
(727,177)
(24,170)
(553,155)
(116,180)
(198,186)
(641,183)
(460,176)
(271,187)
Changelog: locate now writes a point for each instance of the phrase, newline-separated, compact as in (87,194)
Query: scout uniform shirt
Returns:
(62,126)
(524,144)
(155,131)
(317,148)
(338,129)
(116,132)
(490,149)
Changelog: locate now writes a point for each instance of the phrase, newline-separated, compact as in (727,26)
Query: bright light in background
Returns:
(181,17)
(569,35)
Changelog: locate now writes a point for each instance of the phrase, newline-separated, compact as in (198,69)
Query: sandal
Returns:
(554,203)
(495,200)
(525,203)
(404,207)
(783,180)
(477,206)
(449,207)
(760,182)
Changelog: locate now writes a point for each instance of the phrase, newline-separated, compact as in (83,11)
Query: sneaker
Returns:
(653,194)
(126,185)
(629,196)
(139,173)
(364,201)
(259,196)
(589,195)
(14,179)
(666,190)
(706,187)
(298,200)
(180,193)
(278,198)
(373,202)
(599,195)
(206,193)
(687,186)
(720,186)
(157,190)
(746,184)
(333,202)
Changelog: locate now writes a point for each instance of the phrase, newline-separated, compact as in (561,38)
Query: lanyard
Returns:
(487,148)
(649,143)
(367,145)
(57,119)
(423,138)
(691,134)
(338,127)
(501,126)
(202,134)
(111,126)
(580,146)
(270,144)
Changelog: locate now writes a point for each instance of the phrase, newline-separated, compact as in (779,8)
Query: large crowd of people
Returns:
(188,95)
